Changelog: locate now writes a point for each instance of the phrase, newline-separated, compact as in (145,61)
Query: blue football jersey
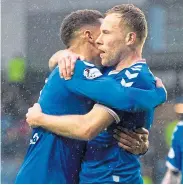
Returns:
(51,158)
(175,155)
(104,161)
(55,159)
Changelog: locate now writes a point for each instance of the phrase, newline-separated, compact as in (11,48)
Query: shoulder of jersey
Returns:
(89,70)
(132,73)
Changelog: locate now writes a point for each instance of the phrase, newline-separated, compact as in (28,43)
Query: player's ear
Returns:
(89,36)
(130,38)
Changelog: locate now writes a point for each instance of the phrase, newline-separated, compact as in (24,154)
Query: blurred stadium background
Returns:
(30,35)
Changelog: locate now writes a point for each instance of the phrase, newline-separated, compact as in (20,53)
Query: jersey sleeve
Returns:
(88,81)
(174,156)
(111,112)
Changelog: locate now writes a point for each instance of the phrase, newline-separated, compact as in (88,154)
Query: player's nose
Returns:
(99,40)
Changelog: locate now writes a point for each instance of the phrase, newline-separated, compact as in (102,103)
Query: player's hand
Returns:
(66,61)
(159,83)
(134,142)
(33,115)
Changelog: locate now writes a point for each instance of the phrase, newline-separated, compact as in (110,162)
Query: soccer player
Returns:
(175,156)
(122,44)
(54,159)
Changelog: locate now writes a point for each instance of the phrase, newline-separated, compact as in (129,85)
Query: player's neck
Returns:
(83,50)
(129,59)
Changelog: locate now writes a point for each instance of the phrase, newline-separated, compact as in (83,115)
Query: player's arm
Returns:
(112,94)
(84,127)
(117,95)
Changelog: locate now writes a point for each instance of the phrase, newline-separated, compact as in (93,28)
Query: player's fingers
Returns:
(28,121)
(121,140)
(142,131)
(52,63)
(29,110)
(62,68)
(72,67)
(73,62)
(127,148)
(68,66)
(137,137)
(124,136)
(144,137)
(74,57)
(37,107)
(159,82)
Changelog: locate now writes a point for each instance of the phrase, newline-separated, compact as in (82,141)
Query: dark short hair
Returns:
(75,21)
(133,17)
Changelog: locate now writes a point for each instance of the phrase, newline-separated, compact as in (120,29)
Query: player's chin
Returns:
(105,63)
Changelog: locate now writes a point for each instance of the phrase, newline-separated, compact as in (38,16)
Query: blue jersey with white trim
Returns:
(103,154)
(57,159)
(51,158)
(175,155)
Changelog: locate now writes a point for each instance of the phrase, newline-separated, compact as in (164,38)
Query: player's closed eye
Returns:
(105,31)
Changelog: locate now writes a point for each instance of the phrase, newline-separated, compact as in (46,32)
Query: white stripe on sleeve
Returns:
(111,112)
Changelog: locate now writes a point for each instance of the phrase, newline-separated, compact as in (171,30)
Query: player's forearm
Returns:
(116,96)
(83,127)
(71,126)
(148,100)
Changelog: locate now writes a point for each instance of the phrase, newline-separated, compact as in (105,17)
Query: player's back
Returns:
(103,154)
(51,158)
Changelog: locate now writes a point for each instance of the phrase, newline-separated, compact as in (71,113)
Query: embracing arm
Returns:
(112,94)
(88,126)
(119,97)
(83,127)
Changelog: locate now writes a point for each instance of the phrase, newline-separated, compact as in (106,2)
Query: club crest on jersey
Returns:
(92,73)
